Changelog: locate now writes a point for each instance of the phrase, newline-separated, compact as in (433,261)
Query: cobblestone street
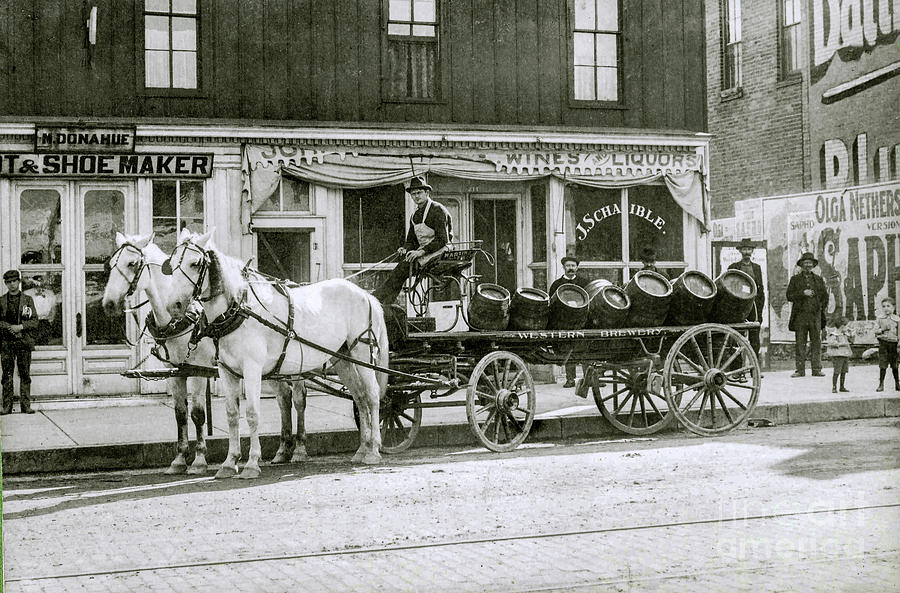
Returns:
(800,508)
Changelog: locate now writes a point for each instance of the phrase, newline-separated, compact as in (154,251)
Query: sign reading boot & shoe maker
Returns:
(83,152)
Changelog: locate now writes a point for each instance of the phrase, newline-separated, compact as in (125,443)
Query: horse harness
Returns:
(238,311)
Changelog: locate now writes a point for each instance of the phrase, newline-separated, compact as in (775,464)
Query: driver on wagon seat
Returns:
(429,232)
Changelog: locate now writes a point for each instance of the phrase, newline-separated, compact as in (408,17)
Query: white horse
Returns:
(334,314)
(134,268)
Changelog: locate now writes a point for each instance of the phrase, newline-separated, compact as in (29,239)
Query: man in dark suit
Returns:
(18,319)
(809,298)
(570,276)
(754,270)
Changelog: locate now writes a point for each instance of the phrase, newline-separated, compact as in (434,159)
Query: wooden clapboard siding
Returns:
(503,62)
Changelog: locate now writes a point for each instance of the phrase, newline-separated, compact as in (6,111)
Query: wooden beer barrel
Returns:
(529,309)
(736,292)
(609,307)
(568,308)
(693,297)
(489,307)
(650,293)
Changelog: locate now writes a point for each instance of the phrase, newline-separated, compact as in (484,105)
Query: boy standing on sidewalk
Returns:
(837,343)
(886,332)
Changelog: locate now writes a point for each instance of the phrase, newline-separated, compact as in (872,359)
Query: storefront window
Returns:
(39,210)
(655,220)
(374,227)
(594,230)
(594,223)
(45,288)
(176,205)
(292,195)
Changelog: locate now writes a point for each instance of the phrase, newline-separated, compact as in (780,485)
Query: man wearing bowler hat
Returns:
(809,298)
(752,269)
(18,319)
(570,276)
(429,231)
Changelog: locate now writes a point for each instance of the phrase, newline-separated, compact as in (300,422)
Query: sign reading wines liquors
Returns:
(84,140)
(105,165)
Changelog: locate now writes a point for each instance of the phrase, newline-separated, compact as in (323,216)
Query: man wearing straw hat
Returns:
(809,298)
(429,231)
(570,276)
(752,269)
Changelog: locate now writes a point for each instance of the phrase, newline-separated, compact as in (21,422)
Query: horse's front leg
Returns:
(197,387)
(299,397)
(232,388)
(252,388)
(178,389)
(286,444)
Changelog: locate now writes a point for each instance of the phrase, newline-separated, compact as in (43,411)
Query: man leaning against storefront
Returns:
(808,296)
(18,319)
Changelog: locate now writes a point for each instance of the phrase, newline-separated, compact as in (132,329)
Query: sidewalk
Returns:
(120,433)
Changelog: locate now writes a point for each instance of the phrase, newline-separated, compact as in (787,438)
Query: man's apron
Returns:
(424,233)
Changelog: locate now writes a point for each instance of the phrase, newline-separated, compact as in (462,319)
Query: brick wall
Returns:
(759,142)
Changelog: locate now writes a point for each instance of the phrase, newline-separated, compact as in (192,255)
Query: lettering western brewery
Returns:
(121,165)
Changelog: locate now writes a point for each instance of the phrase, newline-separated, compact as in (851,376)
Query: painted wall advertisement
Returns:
(855,235)
(854,83)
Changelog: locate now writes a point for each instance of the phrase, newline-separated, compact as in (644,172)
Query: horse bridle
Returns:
(117,254)
(168,270)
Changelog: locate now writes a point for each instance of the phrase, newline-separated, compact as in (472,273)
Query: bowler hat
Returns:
(745,242)
(571,259)
(417,183)
(11,275)
(807,256)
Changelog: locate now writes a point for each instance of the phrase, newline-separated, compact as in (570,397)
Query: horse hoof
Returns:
(372,459)
(225,472)
(176,469)
(197,470)
(299,456)
(249,473)
(357,458)
(280,457)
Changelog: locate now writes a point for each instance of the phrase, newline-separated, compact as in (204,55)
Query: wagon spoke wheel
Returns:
(623,398)
(500,401)
(400,416)
(711,379)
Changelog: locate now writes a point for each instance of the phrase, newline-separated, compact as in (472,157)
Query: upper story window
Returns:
(595,50)
(412,55)
(171,30)
(789,38)
(731,43)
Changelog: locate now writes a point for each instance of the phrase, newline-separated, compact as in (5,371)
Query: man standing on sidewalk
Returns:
(752,269)
(18,318)
(808,296)
(570,276)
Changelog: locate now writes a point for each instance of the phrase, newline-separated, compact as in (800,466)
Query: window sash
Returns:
(732,51)
(595,50)
(171,44)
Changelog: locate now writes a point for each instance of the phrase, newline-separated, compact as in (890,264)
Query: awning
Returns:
(682,171)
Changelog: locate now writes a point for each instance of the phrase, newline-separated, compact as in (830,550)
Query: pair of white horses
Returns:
(332,314)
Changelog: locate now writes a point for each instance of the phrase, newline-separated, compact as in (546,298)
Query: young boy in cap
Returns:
(886,330)
(808,296)
(18,318)
(570,276)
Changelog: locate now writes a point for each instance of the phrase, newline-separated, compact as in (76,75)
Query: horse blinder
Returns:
(167,267)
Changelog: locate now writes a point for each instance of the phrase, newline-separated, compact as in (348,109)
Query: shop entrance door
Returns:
(285,253)
(495,222)
(62,233)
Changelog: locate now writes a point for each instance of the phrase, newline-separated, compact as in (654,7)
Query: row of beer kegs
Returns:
(648,300)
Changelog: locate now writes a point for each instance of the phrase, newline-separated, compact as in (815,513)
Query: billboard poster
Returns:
(855,235)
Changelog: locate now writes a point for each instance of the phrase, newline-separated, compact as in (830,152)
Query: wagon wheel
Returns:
(630,406)
(500,401)
(714,372)
(400,417)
